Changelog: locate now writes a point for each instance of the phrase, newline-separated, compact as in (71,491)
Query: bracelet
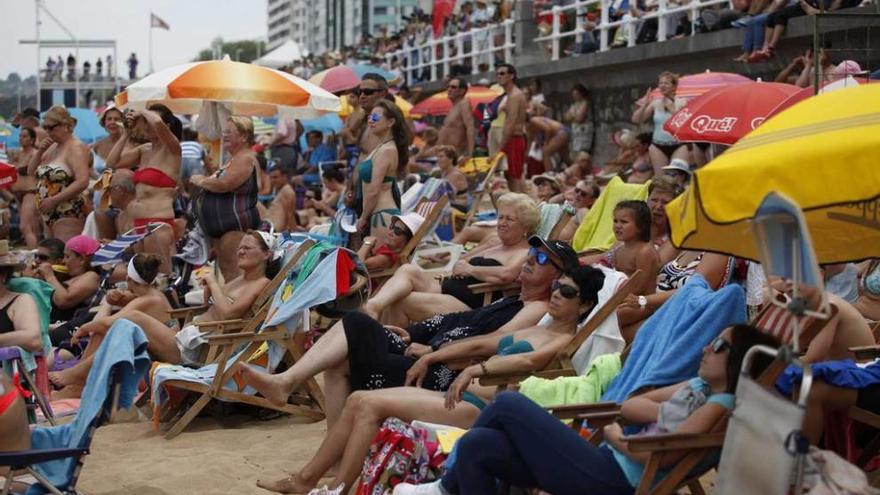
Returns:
(483,367)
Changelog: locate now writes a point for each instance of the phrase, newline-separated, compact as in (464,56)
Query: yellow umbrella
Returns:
(821,153)
(346,108)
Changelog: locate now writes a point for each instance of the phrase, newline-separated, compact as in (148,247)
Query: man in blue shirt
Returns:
(318,152)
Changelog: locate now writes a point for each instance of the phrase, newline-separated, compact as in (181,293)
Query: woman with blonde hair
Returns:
(61,167)
(227,205)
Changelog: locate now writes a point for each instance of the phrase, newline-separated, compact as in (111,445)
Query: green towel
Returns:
(596,229)
(42,293)
(584,389)
(310,260)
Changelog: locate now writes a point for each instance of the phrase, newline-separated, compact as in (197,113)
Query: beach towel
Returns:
(844,373)
(585,389)
(595,230)
(668,347)
(550,214)
(42,293)
(124,352)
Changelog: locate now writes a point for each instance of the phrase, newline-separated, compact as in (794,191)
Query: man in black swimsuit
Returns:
(359,343)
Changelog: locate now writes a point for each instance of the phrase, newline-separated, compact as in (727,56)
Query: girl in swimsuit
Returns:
(61,167)
(664,147)
(497,259)
(376,194)
(227,207)
(158,169)
(348,440)
(31,224)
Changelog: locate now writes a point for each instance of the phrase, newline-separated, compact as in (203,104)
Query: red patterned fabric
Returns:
(344,266)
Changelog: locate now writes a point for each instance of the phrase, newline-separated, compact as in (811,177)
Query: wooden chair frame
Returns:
(427,226)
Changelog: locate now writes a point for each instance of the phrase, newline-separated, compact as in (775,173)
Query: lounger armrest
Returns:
(231,338)
(22,458)
(865,353)
(574,410)
(599,417)
(674,441)
(236,323)
(185,311)
(495,379)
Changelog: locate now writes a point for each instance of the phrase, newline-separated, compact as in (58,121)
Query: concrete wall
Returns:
(617,78)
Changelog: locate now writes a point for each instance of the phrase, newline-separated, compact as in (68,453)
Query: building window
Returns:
(380,11)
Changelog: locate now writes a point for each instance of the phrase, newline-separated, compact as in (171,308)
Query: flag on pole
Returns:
(156,22)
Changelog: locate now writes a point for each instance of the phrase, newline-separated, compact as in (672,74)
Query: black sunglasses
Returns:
(565,291)
(366,91)
(719,345)
(400,231)
(581,192)
(49,127)
(542,258)
(42,257)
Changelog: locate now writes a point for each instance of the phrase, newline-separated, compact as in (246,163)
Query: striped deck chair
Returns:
(112,252)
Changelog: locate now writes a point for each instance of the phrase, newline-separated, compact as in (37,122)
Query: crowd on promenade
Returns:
(416,349)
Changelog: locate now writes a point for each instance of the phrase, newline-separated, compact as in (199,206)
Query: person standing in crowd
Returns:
(458,126)
(284,144)
(99,69)
(192,156)
(352,130)
(110,74)
(61,167)
(71,67)
(227,207)
(132,66)
(577,117)
(112,121)
(372,89)
(513,140)
(158,170)
(30,223)
(664,147)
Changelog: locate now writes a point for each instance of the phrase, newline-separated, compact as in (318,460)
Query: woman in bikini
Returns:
(664,147)
(454,401)
(61,167)
(227,205)
(25,186)
(158,169)
(447,162)
(413,294)
(376,195)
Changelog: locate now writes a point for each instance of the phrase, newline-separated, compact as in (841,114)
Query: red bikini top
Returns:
(153,177)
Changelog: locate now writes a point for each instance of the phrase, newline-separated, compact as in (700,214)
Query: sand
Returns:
(207,458)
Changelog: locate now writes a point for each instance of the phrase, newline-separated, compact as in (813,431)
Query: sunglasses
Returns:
(399,231)
(49,127)
(581,192)
(542,258)
(366,91)
(42,257)
(565,291)
(374,117)
(719,345)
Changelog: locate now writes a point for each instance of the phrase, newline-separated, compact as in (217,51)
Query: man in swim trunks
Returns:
(513,140)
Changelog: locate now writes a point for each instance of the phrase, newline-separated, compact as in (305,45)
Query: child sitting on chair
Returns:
(379,255)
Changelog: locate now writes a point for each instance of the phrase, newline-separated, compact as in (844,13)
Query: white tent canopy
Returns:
(283,55)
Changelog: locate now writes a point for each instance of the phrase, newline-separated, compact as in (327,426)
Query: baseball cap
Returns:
(83,245)
(561,250)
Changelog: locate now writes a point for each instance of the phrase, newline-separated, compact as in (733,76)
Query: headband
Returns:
(133,274)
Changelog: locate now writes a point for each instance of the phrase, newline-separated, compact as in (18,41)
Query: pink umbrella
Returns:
(336,79)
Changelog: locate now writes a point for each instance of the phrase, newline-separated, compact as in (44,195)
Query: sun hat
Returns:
(848,68)
(680,165)
(412,220)
(83,245)
(549,179)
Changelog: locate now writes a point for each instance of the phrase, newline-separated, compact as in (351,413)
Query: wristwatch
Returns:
(643,302)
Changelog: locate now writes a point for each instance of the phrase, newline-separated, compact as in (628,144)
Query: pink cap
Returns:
(848,68)
(83,245)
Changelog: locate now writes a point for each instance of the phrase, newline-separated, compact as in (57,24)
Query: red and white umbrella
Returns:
(8,175)
(726,114)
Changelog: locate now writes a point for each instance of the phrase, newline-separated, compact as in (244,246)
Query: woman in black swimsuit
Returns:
(19,319)
(414,295)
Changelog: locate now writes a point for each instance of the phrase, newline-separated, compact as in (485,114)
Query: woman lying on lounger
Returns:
(518,442)
(347,442)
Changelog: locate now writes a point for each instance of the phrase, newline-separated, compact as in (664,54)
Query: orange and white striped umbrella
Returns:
(242,89)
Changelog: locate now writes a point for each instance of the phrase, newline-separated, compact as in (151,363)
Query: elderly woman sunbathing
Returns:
(414,295)
(359,353)
(347,442)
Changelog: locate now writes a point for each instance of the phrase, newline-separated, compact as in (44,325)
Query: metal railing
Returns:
(605,26)
(477,46)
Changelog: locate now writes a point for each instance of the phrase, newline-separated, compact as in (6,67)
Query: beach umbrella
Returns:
(336,79)
(694,85)
(809,92)
(8,175)
(361,69)
(724,115)
(345,108)
(9,136)
(231,88)
(439,103)
(88,128)
(820,153)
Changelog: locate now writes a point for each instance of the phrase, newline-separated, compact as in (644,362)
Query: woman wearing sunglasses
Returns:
(378,255)
(61,167)
(348,440)
(516,441)
(377,197)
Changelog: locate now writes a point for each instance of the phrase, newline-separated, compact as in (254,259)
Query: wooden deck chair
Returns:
(239,347)
(430,211)
(562,364)
(480,192)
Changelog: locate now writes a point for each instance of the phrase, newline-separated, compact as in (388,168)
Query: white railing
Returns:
(437,54)
(627,22)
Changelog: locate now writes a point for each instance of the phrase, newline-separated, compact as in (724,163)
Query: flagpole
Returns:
(151,43)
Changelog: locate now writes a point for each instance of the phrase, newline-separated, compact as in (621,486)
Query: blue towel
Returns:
(668,347)
(123,350)
(844,374)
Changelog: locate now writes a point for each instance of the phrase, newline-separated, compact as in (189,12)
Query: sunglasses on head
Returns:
(374,117)
(366,91)
(541,257)
(565,291)
(719,345)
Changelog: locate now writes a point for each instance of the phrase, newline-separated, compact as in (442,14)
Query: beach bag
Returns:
(399,453)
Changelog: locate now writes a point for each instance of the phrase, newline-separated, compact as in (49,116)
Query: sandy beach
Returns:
(207,458)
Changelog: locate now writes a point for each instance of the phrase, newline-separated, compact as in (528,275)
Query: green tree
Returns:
(243,50)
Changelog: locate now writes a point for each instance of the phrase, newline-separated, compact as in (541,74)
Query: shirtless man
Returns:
(458,126)
(282,211)
(352,130)
(117,220)
(372,88)
(513,140)
(847,329)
